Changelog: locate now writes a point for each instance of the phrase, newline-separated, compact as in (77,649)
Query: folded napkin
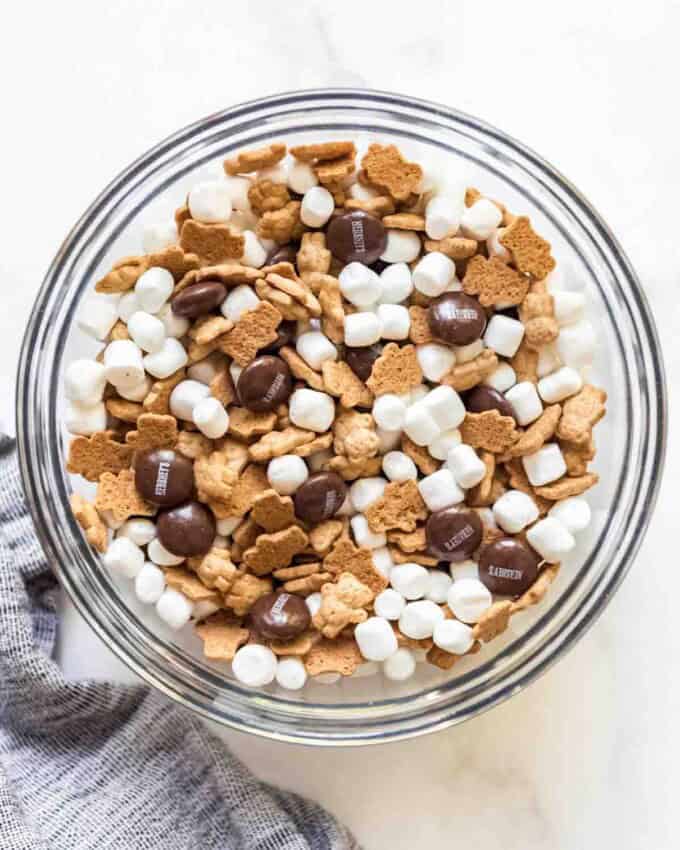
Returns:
(97,765)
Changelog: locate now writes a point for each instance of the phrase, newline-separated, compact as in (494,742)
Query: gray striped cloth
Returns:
(96,765)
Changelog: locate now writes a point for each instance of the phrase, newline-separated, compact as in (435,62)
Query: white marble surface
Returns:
(590,755)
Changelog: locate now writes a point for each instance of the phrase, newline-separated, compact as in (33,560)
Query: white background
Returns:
(590,755)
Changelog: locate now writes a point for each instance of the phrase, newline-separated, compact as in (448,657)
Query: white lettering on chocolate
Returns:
(161,486)
(274,388)
(278,606)
(455,541)
(505,572)
(358,236)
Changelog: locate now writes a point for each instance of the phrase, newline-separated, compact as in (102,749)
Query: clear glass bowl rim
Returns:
(177,676)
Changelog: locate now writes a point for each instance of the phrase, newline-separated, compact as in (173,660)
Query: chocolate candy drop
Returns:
(265,383)
(483,398)
(280,616)
(285,335)
(164,477)
(283,254)
(361,360)
(186,530)
(320,497)
(356,237)
(508,567)
(456,318)
(199,299)
(453,534)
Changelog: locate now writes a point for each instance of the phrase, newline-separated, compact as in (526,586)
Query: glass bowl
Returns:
(630,440)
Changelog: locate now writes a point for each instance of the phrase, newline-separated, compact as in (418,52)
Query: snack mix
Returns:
(340,421)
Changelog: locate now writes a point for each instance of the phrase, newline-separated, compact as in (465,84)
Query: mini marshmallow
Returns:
(453,636)
(576,344)
(211,418)
(480,220)
(210,201)
(402,246)
(494,248)
(239,299)
(466,353)
(317,206)
(363,536)
(503,335)
(434,359)
(287,473)
(396,283)
(276,173)
(290,672)
(140,531)
(204,609)
(400,666)
(301,177)
(418,619)
(376,639)
(395,320)
(389,412)
(525,402)
(569,306)
(175,326)
(467,468)
(128,304)
(171,357)
(205,370)
(312,410)
(160,555)
(123,363)
(362,329)
(360,285)
(545,465)
(514,511)
(464,569)
(313,602)
(146,331)
(315,349)
(382,561)
(548,361)
(85,420)
(184,398)
(416,394)
(362,193)
(137,392)
(153,288)
(440,583)
(440,447)
(560,385)
(149,584)
(551,539)
(502,378)
(84,382)
(420,426)
(440,490)
(574,513)
(468,599)
(174,608)
(411,580)
(365,491)
(97,315)
(254,665)
(434,273)
(253,253)
(389,604)
(442,216)
(445,406)
(398,466)
(238,188)
(124,557)
(159,235)
(242,221)
(227,526)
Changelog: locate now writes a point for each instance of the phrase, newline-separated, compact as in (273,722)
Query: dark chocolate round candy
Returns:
(320,497)
(483,398)
(361,360)
(280,616)
(356,237)
(186,530)
(164,477)
(453,534)
(283,254)
(285,335)
(456,318)
(265,383)
(199,299)
(508,567)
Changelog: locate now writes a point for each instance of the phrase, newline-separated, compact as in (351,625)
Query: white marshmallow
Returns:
(551,539)
(400,666)
(239,299)
(313,602)
(160,555)
(228,525)
(146,331)
(203,609)
(481,219)
(502,378)
(402,246)
(123,363)
(363,536)
(362,329)
(504,335)
(525,402)
(127,305)
(85,420)
(494,247)
(362,193)
(312,410)
(84,382)
(416,394)
(376,639)
(396,283)
(418,619)
(153,289)
(420,426)
(398,466)
(238,188)
(576,344)
(149,584)
(440,583)
(159,235)
(253,253)
(445,406)
(360,285)
(560,385)
(389,412)
(548,361)
(205,370)
(171,357)
(175,326)
(138,392)
(440,490)
(467,468)
(141,531)
(97,315)
(411,580)
(276,173)
(123,557)
(468,599)
(184,398)
(174,608)
(210,201)
(574,513)
(466,353)
(395,320)
(434,273)
(315,349)
(211,418)
(389,604)
(464,569)
(442,216)
(435,360)
(317,206)
(545,465)
(254,665)
(365,491)
(382,561)
(514,510)
(301,177)
(453,636)
(440,447)
(568,306)
(290,672)
(287,473)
